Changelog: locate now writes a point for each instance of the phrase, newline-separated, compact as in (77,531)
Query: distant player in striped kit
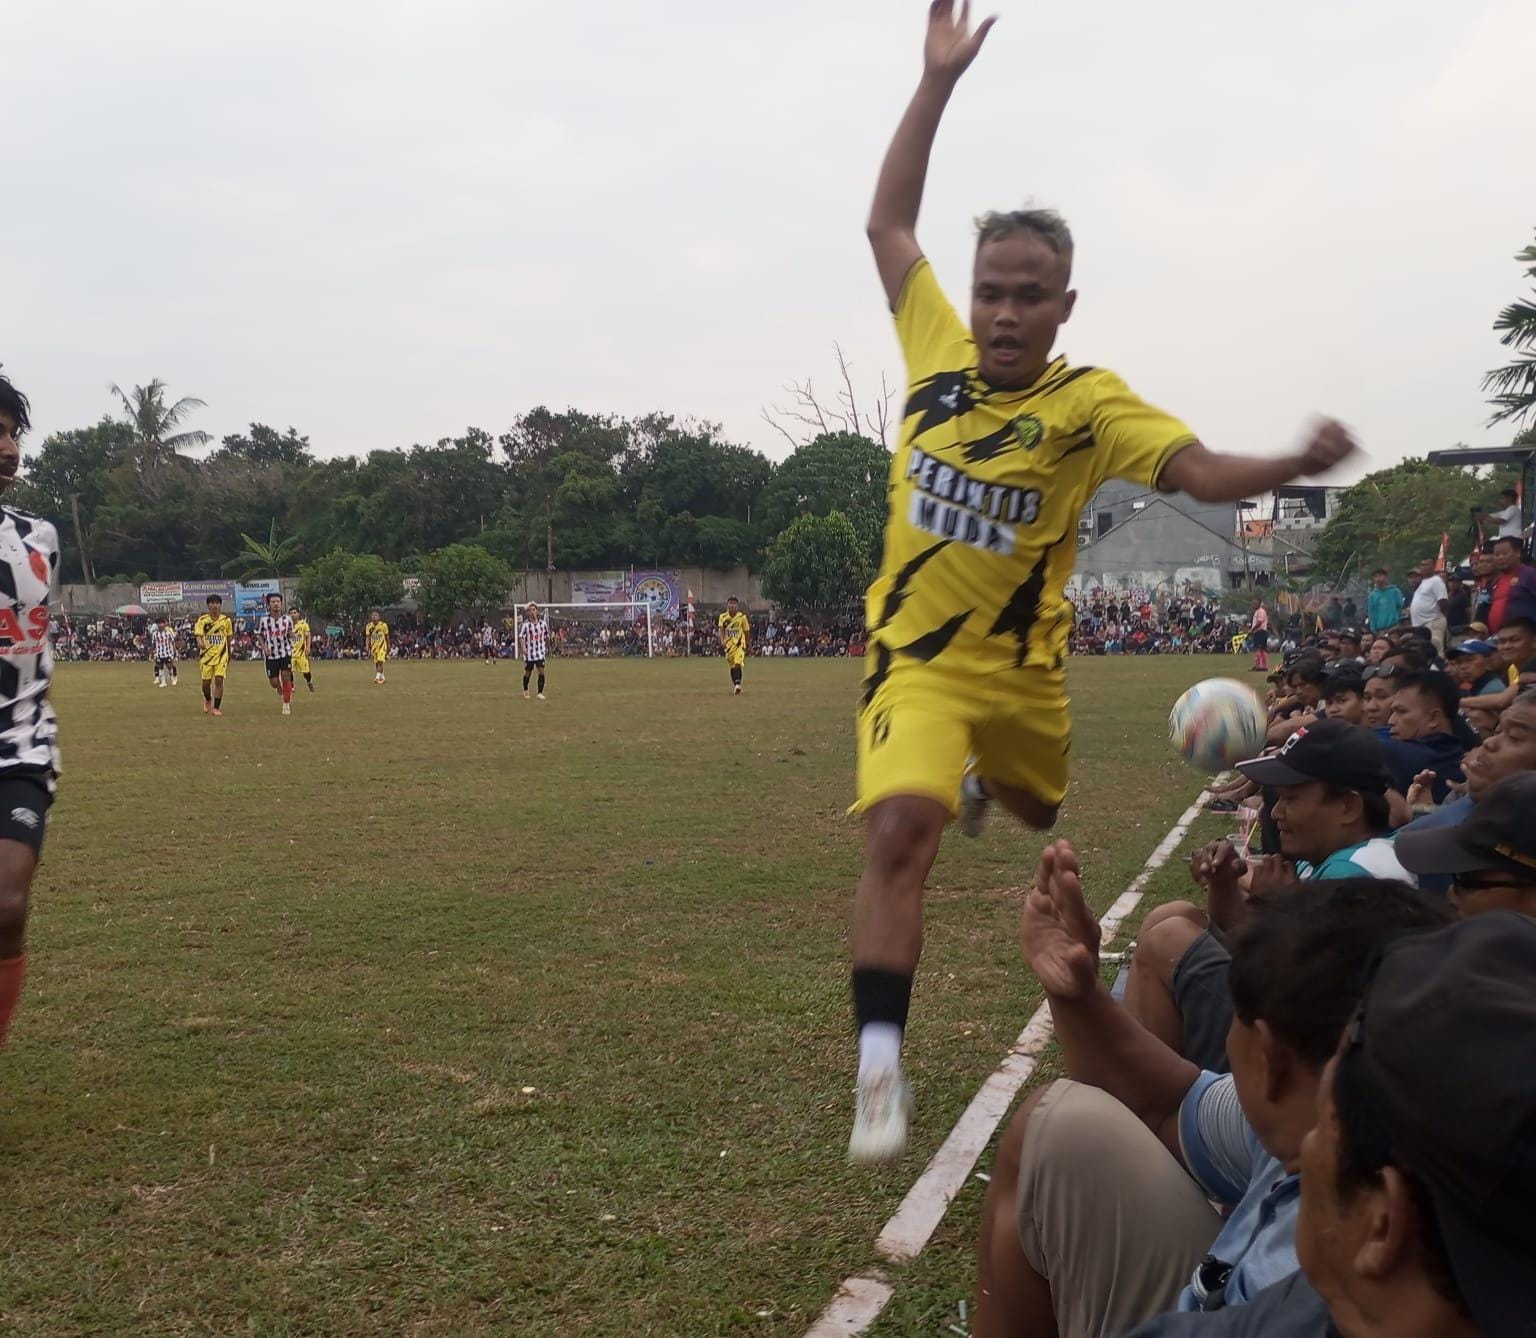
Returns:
(533,636)
(488,641)
(162,642)
(274,633)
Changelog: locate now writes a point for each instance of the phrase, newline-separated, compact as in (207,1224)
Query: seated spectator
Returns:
(1516,655)
(1344,697)
(1470,663)
(1298,704)
(1490,856)
(1423,712)
(1416,1178)
(1380,688)
(1331,810)
(1100,1214)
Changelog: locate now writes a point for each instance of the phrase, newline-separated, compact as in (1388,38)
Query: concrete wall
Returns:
(710,588)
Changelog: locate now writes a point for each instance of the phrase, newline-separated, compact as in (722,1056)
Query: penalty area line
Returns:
(862,1297)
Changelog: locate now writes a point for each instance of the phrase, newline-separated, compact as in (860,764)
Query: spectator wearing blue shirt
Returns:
(1424,711)
(1099,1212)
(1384,603)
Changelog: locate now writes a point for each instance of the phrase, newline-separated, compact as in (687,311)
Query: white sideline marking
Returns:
(861,1298)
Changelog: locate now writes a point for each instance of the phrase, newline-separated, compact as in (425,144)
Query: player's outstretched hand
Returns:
(951,46)
(1329,444)
(1057,931)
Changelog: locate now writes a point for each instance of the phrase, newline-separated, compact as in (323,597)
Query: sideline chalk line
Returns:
(861,1298)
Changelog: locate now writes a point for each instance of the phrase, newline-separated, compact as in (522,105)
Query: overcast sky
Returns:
(381,222)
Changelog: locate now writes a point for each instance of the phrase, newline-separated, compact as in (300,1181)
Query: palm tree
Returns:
(154,423)
(1513,386)
(263,559)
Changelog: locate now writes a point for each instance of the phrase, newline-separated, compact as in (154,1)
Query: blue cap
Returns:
(1471,648)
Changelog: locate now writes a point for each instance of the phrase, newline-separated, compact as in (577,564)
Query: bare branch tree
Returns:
(821,418)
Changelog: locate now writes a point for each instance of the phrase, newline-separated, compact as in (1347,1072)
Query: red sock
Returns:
(287,693)
(12,972)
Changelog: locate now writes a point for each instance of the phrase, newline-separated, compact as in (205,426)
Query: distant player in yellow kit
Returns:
(376,635)
(733,628)
(215,633)
(301,640)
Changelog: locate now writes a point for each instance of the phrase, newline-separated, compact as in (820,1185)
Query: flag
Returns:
(1445,543)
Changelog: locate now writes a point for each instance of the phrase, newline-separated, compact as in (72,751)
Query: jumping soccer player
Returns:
(275,634)
(488,641)
(533,636)
(29,751)
(376,634)
(1001,447)
(301,640)
(733,629)
(215,634)
(162,643)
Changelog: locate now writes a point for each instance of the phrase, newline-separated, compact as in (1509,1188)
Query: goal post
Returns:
(588,622)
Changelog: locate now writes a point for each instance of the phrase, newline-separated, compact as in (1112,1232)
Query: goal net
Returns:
(583,630)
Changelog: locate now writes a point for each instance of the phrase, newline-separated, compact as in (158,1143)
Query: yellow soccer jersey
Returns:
(734,628)
(214,636)
(986,489)
(301,638)
(377,636)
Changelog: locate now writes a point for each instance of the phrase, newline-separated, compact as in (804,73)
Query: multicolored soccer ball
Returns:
(1217,723)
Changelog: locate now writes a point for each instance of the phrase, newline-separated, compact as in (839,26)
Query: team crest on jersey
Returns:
(39,564)
(1028,430)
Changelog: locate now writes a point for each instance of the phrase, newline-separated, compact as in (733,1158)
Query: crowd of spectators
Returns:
(1304,1107)
(1141,623)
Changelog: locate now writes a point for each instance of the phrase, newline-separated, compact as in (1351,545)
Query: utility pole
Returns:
(85,556)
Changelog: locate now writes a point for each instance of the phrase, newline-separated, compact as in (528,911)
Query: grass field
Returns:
(430,1010)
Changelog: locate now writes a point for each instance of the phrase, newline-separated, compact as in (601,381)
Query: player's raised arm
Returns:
(948,51)
(1212,476)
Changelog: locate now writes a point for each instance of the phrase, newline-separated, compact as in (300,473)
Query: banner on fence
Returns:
(160,592)
(198,592)
(662,590)
(251,597)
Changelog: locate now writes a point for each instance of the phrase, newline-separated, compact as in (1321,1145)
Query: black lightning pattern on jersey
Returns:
(931,644)
(941,397)
(900,589)
(1022,611)
(992,445)
(1056,383)
(876,676)
(1082,440)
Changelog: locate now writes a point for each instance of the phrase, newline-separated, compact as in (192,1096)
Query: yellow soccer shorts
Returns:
(736,656)
(921,727)
(300,664)
(215,667)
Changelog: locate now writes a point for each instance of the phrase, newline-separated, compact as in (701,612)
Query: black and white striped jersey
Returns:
(29,730)
(534,635)
(163,642)
(487,636)
(275,635)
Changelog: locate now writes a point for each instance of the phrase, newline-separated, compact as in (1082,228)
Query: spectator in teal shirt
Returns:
(1384,605)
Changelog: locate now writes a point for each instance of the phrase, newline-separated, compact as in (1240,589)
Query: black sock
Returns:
(527,674)
(736,675)
(541,681)
(207,693)
(881,996)
(218,702)
(308,679)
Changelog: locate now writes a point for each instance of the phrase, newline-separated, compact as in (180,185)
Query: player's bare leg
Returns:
(18,862)
(901,841)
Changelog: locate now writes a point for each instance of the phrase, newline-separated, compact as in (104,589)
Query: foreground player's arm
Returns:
(1101,1044)
(948,51)
(1213,476)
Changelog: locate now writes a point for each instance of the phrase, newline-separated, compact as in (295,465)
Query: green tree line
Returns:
(571,489)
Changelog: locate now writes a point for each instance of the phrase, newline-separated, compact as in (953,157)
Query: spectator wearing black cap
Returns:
(1098,1215)
(1330,806)
(1490,857)
(1424,710)
(1418,1179)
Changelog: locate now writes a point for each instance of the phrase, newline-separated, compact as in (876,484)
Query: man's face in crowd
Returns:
(10,451)
(1379,580)
(1510,749)
(1506,556)
(1379,648)
(1378,702)
(1329,652)
(1416,714)
(1482,565)
(1313,823)
(1307,694)
(1019,299)
(1467,668)
(1517,644)
(1347,706)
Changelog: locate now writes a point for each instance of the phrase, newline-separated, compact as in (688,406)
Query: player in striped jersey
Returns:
(533,636)
(29,751)
(488,641)
(274,633)
(162,643)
